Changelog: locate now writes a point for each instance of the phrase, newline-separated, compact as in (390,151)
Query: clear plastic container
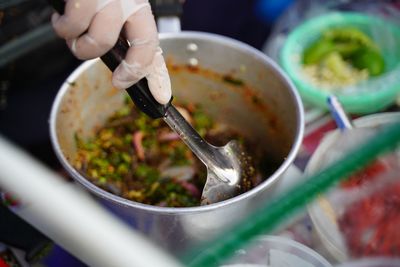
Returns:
(275,251)
(326,210)
(371,95)
(373,262)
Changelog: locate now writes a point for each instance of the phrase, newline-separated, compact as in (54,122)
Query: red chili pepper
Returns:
(3,263)
(365,175)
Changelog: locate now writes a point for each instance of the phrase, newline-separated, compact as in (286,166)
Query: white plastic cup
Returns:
(275,251)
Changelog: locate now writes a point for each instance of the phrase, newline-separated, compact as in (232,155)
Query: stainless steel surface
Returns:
(225,165)
(266,110)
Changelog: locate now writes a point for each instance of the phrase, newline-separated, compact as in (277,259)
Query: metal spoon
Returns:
(228,168)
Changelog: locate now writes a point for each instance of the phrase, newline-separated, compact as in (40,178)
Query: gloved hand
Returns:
(92,27)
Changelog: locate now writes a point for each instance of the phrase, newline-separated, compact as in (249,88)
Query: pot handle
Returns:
(139,92)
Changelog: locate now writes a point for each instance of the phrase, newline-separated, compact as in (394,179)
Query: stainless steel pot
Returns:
(267,109)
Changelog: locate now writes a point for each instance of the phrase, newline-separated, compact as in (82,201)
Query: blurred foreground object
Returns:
(70,217)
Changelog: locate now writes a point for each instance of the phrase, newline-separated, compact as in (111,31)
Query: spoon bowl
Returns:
(229,168)
(231,176)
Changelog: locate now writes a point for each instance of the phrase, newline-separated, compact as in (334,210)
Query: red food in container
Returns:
(371,224)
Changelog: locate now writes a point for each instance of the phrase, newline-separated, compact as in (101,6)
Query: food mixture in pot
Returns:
(143,160)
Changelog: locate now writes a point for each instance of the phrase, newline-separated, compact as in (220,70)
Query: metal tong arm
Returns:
(211,156)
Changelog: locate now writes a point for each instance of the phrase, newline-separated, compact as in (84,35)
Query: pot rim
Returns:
(185,210)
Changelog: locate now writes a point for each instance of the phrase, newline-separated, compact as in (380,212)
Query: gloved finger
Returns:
(76,18)
(144,58)
(158,79)
(141,32)
(102,35)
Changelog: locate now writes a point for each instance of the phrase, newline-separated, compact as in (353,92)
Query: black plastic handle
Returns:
(166,8)
(139,92)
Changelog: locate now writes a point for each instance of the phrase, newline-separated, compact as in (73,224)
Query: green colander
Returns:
(372,95)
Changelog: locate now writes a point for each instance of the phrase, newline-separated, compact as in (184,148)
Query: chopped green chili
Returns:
(342,56)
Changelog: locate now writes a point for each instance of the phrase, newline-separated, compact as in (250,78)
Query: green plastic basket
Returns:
(368,96)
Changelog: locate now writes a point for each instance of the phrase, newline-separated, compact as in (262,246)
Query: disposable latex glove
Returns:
(92,27)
